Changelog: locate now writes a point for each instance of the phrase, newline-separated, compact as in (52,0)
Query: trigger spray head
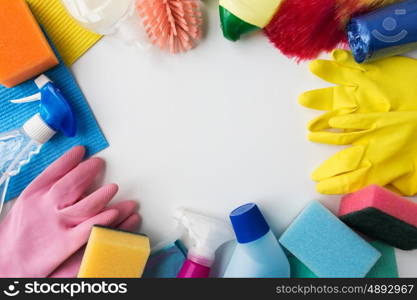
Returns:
(55,114)
(207,234)
(54,108)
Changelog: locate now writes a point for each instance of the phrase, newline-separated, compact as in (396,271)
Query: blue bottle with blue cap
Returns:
(258,253)
(18,146)
(388,31)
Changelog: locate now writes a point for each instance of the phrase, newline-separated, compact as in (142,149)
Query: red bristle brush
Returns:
(302,29)
(172,24)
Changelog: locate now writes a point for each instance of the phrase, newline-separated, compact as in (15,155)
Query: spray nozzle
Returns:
(206,234)
(54,111)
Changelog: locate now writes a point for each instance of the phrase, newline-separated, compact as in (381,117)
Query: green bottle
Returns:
(232,26)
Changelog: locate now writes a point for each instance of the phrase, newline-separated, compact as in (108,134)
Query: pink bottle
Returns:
(206,234)
(191,269)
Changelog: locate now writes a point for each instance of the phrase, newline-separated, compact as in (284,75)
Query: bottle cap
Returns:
(232,26)
(55,113)
(38,130)
(248,223)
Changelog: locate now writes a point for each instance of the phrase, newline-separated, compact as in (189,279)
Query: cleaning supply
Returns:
(206,235)
(257,253)
(166,262)
(383,151)
(114,253)
(300,29)
(232,26)
(98,16)
(326,245)
(175,25)
(18,146)
(298,269)
(52,218)
(71,40)
(223,255)
(385,267)
(385,32)
(127,219)
(113,17)
(12,116)
(24,50)
(238,17)
(170,24)
(303,29)
(382,215)
(384,85)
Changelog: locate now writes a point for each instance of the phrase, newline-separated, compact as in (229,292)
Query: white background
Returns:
(210,129)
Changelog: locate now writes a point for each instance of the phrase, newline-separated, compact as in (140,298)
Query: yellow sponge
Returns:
(112,253)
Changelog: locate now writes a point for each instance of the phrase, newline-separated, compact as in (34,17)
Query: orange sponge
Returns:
(24,50)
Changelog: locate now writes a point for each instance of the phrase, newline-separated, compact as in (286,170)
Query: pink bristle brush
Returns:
(302,29)
(172,24)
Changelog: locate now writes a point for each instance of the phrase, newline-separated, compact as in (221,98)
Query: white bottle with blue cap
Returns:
(18,146)
(258,253)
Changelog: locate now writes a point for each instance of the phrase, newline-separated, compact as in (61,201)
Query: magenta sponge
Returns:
(383,215)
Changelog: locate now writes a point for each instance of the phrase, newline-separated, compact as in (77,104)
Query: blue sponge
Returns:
(327,246)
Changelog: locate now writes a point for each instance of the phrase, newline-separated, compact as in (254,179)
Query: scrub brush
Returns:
(172,24)
(301,29)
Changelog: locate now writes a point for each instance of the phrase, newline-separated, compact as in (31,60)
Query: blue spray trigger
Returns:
(56,111)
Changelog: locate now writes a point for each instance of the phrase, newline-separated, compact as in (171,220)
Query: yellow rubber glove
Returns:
(384,151)
(385,85)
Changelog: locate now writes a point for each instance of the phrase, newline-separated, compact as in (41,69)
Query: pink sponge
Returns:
(382,215)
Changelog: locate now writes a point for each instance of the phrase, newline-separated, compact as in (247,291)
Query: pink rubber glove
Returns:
(128,220)
(51,220)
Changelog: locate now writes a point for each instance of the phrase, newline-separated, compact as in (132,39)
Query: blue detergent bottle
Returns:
(258,253)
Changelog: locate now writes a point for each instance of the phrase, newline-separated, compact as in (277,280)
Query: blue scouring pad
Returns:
(327,246)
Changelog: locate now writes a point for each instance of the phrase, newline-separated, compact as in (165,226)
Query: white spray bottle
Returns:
(18,146)
(207,235)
